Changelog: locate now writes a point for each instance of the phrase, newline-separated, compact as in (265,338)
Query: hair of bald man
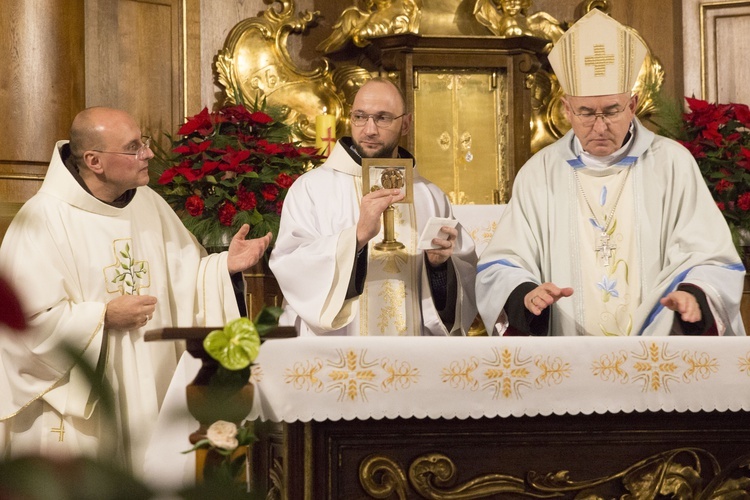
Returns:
(383,79)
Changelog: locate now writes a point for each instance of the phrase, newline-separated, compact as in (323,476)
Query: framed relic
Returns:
(389,173)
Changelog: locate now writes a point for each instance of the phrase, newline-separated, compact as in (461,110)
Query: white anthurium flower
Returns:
(223,434)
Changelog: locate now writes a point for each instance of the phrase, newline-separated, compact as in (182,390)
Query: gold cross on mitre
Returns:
(599,60)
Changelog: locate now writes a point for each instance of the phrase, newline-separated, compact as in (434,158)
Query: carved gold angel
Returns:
(373,18)
(507,18)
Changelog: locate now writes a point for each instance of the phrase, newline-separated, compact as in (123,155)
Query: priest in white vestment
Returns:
(98,258)
(611,230)
(334,280)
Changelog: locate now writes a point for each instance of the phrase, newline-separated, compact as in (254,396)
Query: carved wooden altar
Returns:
(647,455)
(659,417)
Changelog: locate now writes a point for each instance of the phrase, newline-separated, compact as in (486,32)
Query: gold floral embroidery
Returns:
(459,374)
(655,366)
(400,375)
(304,375)
(394,295)
(256,374)
(553,371)
(352,375)
(506,374)
(745,364)
(483,234)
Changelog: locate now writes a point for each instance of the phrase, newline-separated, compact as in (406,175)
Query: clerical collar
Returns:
(602,162)
(67,158)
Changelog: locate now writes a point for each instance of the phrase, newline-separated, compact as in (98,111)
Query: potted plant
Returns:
(718,137)
(229,167)
(221,396)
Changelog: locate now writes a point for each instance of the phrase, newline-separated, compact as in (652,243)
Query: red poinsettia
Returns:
(718,137)
(230,167)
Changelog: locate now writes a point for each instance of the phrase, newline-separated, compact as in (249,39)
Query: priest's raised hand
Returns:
(439,256)
(371,211)
(244,254)
(543,296)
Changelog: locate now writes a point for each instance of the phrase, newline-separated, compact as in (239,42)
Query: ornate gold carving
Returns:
(506,18)
(255,63)
(674,473)
(382,477)
(683,473)
(430,474)
(276,480)
(377,18)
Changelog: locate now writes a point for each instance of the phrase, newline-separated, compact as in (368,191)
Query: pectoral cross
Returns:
(605,248)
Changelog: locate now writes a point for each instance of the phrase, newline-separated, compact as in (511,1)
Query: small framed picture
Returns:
(389,173)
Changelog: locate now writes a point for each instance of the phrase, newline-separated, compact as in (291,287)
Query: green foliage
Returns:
(718,137)
(228,168)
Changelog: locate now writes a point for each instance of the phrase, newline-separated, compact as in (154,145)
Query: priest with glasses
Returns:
(611,230)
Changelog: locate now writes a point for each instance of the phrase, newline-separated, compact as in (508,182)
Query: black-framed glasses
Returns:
(381,120)
(588,119)
(140,154)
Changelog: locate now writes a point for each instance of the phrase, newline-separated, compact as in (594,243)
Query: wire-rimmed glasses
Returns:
(140,154)
(381,120)
(588,119)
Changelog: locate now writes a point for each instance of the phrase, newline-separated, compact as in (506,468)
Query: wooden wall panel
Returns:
(716,37)
(41,89)
(134,53)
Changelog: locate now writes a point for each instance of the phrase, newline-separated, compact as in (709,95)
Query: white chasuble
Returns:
(69,255)
(609,278)
(314,256)
(668,231)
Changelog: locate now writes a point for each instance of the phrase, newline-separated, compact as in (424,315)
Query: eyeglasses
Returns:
(380,120)
(140,155)
(588,119)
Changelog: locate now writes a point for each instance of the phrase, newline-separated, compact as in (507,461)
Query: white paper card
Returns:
(432,230)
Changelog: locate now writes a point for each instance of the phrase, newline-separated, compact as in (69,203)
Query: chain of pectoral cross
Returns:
(605,248)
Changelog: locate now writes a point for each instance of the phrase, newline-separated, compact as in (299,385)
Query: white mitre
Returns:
(597,56)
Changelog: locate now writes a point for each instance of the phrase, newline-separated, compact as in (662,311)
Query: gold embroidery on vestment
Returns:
(394,295)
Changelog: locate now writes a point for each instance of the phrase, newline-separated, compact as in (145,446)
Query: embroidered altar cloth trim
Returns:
(332,378)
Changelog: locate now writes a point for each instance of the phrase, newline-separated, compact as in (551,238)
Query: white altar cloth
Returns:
(374,377)
(319,378)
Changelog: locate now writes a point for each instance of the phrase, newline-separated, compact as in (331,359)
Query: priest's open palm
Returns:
(244,254)
(370,213)
(685,304)
(129,312)
(543,296)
